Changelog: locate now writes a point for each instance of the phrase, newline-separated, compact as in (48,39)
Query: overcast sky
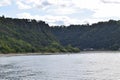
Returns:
(62,12)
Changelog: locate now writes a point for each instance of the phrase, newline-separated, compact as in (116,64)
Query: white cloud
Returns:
(69,11)
(22,5)
(5,2)
(52,20)
(87,4)
(54,6)
(32,1)
(108,11)
(102,8)
(62,3)
(111,1)
(59,20)
(62,11)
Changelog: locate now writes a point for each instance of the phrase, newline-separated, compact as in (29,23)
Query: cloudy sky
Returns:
(62,12)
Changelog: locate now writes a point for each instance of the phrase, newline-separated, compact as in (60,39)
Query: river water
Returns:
(83,66)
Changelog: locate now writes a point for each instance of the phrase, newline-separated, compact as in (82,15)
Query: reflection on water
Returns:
(93,66)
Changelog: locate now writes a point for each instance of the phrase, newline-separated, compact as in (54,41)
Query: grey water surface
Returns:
(83,66)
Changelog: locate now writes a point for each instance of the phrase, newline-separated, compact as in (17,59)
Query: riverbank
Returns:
(22,54)
(28,54)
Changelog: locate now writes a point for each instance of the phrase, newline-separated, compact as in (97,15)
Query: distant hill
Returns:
(99,36)
(25,35)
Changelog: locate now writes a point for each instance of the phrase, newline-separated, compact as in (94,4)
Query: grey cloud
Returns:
(66,5)
(59,22)
(5,2)
(46,3)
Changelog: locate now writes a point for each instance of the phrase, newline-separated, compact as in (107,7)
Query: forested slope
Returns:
(99,36)
(24,35)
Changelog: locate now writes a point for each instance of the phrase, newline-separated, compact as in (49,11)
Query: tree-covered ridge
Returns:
(98,36)
(25,35)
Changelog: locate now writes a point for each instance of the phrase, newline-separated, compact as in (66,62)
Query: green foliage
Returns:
(69,48)
(24,35)
(115,47)
(12,45)
(56,47)
(98,36)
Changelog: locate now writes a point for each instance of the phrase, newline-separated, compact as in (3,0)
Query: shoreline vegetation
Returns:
(29,54)
(34,54)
